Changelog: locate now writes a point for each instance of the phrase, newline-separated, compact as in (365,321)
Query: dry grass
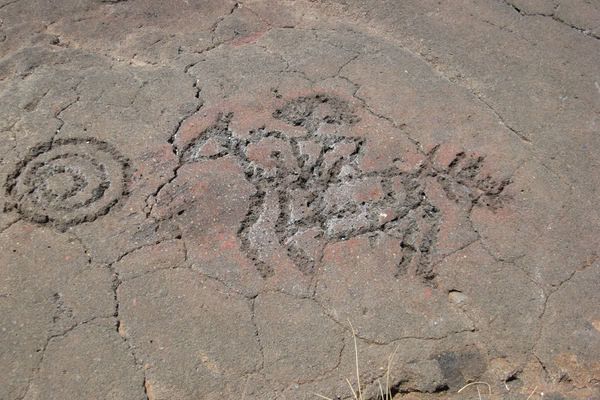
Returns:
(387,394)
(477,383)
(358,393)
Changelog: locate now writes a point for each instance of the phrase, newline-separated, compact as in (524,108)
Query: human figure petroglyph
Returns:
(310,190)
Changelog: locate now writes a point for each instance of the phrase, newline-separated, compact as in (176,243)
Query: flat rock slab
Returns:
(244,200)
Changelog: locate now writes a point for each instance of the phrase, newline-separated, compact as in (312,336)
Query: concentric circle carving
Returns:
(68,182)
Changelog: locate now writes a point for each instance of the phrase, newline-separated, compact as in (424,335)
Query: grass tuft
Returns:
(358,394)
(477,383)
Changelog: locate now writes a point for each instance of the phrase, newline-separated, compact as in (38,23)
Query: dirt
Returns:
(215,199)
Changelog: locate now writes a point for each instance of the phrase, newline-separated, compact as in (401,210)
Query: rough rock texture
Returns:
(205,199)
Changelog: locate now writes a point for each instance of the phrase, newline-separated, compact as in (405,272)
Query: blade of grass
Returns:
(532,393)
(356,357)
(380,388)
(351,388)
(388,394)
(476,383)
(321,396)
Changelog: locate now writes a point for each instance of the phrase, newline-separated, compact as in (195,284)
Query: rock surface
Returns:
(217,199)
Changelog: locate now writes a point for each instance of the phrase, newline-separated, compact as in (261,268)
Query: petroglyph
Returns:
(67,182)
(311,190)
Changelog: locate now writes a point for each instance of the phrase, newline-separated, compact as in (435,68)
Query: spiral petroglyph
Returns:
(67,182)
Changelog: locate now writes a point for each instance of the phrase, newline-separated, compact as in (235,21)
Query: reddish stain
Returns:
(227,244)
(67,258)
(427,293)
(134,303)
(156,249)
(250,38)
